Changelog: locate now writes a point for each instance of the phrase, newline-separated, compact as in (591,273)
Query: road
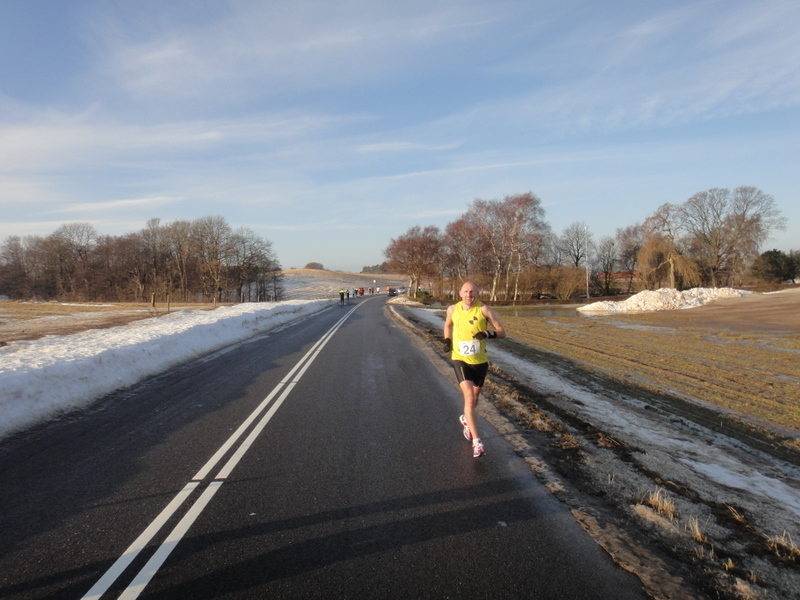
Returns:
(322,460)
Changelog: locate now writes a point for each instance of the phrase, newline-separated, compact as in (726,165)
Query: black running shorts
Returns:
(467,372)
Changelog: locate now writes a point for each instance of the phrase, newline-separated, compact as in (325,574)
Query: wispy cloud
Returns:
(329,225)
(150,203)
(405,147)
(674,66)
(60,141)
(21,194)
(256,48)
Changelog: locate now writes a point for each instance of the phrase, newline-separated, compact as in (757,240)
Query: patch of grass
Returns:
(736,515)
(784,547)
(661,503)
(728,564)
(695,531)
(567,442)
(750,374)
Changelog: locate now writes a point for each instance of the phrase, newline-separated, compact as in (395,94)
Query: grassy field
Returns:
(749,373)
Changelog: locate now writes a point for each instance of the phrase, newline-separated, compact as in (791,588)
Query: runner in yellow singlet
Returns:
(466,329)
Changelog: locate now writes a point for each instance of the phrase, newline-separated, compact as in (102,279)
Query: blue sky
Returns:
(331,127)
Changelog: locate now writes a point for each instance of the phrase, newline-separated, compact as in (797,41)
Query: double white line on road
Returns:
(144,576)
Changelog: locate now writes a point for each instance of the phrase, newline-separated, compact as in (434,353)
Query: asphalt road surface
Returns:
(323,460)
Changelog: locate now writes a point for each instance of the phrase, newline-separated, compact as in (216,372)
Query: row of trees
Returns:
(507,246)
(200,260)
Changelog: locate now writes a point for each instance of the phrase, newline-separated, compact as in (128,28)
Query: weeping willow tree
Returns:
(661,259)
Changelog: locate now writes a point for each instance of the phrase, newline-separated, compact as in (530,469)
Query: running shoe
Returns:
(467,432)
(477,449)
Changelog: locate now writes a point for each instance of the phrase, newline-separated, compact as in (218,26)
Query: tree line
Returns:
(203,260)
(712,239)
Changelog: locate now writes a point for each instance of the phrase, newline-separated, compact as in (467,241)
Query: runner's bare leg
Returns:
(471,393)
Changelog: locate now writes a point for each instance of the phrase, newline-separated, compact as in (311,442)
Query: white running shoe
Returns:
(467,432)
(477,449)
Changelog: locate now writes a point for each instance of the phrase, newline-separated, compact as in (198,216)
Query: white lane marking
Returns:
(245,446)
(154,564)
(203,472)
(133,550)
(110,576)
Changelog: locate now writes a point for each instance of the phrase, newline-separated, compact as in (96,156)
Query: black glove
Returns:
(482,335)
(447,345)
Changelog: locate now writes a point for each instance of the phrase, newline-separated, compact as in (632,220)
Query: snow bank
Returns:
(664,299)
(41,378)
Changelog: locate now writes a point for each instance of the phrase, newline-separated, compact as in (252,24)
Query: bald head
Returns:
(468,293)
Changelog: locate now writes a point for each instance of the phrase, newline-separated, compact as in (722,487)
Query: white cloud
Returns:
(63,141)
(404,147)
(256,48)
(150,203)
(17,193)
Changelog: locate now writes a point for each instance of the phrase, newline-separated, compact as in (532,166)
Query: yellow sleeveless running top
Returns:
(466,323)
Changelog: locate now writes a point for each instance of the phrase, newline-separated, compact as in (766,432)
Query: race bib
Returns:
(469,348)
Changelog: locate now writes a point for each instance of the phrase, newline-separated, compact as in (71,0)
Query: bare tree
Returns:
(484,218)
(661,257)
(211,246)
(575,243)
(40,267)
(251,260)
(269,284)
(74,243)
(154,238)
(727,229)
(566,281)
(417,253)
(629,242)
(522,218)
(14,281)
(197,257)
(508,229)
(460,246)
(606,259)
(132,264)
(178,237)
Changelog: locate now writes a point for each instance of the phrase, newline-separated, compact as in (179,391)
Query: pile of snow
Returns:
(41,378)
(664,299)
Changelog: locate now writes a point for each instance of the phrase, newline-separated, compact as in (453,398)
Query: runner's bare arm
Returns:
(493,321)
(448,323)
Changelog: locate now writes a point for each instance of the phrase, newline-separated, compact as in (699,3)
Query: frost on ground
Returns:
(663,299)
